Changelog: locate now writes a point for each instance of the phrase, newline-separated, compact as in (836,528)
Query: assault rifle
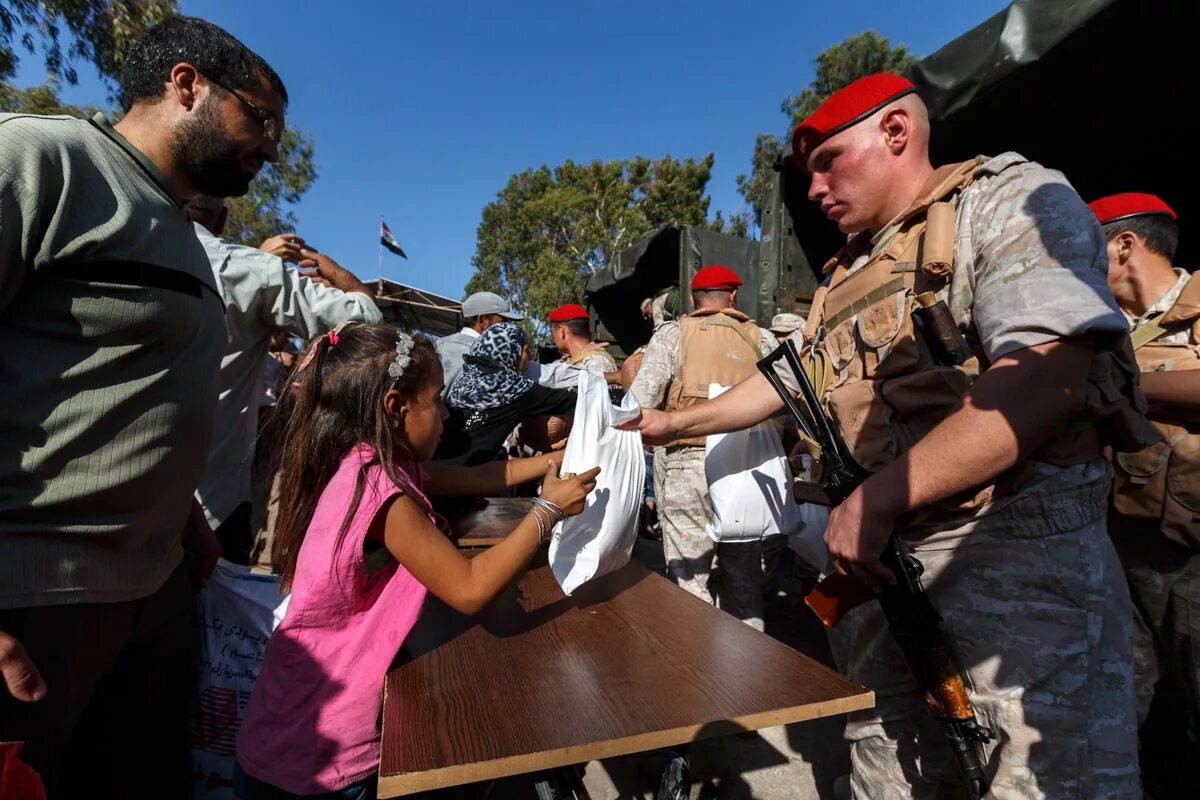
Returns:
(912,619)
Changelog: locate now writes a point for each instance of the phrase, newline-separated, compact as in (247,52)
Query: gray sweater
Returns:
(111,332)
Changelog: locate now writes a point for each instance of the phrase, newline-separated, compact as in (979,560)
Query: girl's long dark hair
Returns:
(339,406)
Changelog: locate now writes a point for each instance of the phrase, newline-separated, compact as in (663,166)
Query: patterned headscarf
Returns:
(489,378)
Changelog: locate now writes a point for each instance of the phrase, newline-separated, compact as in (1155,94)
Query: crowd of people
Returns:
(1048,483)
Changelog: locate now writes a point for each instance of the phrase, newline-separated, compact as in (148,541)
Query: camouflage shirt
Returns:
(598,361)
(1161,306)
(661,364)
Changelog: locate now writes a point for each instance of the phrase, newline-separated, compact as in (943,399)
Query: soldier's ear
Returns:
(896,126)
(1126,242)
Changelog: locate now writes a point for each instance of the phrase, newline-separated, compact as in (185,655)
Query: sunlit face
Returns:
(850,178)
(424,416)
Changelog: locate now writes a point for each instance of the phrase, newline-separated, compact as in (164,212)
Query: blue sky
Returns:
(421,112)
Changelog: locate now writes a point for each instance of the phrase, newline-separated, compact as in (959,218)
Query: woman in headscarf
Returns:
(492,396)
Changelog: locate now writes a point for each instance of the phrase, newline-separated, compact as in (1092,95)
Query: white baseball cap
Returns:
(482,303)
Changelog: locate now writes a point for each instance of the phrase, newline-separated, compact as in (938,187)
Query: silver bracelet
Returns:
(544,525)
(551,508)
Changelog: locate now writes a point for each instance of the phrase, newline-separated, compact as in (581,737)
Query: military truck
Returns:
(1093,88)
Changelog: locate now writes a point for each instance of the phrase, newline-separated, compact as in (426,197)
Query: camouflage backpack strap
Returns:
(741,330)
(1183,314)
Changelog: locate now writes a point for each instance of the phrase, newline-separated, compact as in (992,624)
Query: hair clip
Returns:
(333,336)
(404,346)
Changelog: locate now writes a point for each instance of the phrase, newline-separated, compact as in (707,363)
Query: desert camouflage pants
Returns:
(1164,581)
(1036,607)
(683,511)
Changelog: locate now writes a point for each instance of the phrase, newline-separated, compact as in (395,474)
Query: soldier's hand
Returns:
(656,426)
(856,535)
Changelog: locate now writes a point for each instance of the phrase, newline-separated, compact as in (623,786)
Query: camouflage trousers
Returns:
(1164,582)
(1038,613)
(684,509)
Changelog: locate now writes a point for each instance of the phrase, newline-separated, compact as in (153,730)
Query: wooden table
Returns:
(630,663)
(483,521)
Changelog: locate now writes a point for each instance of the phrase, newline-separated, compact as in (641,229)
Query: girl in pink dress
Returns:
(357,545)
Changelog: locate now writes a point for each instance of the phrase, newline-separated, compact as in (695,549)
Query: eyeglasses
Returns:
(270,122)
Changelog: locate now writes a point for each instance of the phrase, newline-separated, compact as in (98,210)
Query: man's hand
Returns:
(286,246)
(327,272)
(857,532)
(21,676)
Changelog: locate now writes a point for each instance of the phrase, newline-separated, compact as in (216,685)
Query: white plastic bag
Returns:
(749,483)
(600,539)
(238,612)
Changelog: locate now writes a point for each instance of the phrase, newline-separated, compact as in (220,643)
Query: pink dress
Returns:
(312,723)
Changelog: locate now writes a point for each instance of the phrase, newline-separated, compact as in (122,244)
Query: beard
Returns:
(209,155)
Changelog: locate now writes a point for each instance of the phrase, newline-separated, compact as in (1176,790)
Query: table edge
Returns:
(396,785)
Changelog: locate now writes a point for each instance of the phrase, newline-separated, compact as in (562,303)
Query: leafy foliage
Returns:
(549,230)
(836,67)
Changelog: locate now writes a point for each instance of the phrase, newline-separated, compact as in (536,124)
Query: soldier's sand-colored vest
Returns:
(882,386)
(1163,481)
(714,347)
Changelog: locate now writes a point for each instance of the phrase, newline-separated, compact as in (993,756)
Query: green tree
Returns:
(100,31)
(549,230)
(96,31)
(836,67)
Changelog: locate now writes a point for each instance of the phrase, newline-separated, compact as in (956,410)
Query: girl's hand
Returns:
(569,491)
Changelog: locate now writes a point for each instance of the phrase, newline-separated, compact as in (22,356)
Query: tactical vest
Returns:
(720,347)
(1163,481)
(882,387)
(588,350)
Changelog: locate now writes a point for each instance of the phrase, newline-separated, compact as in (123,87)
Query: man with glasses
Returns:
(114,328)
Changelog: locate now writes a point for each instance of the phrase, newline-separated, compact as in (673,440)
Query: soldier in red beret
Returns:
(992,469)
(571,331)
(716,343)
(1155,516)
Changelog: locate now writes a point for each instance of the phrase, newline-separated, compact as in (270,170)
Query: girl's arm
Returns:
(487,480)
(468,584)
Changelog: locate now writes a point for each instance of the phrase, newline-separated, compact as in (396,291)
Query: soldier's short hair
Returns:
(701,295)
(578,327)
(1158,232)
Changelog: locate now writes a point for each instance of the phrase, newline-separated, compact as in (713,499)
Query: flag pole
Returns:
(379,270)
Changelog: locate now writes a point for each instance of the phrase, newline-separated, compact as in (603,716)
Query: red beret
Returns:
(568,312)
(716,276)
(846,107)
(1130,204)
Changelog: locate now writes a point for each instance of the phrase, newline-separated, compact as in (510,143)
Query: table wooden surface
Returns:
(630,663)
(482,521)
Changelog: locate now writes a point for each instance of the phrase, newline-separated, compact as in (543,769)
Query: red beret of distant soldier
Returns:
(1130,204)
(716,276)
(844,108)
(568,312)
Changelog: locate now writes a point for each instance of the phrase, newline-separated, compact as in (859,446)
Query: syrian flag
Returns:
(387,240)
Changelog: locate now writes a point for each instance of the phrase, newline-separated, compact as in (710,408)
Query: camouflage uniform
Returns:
(684,508)
(1029,585)
(1164,581)
(596,361)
